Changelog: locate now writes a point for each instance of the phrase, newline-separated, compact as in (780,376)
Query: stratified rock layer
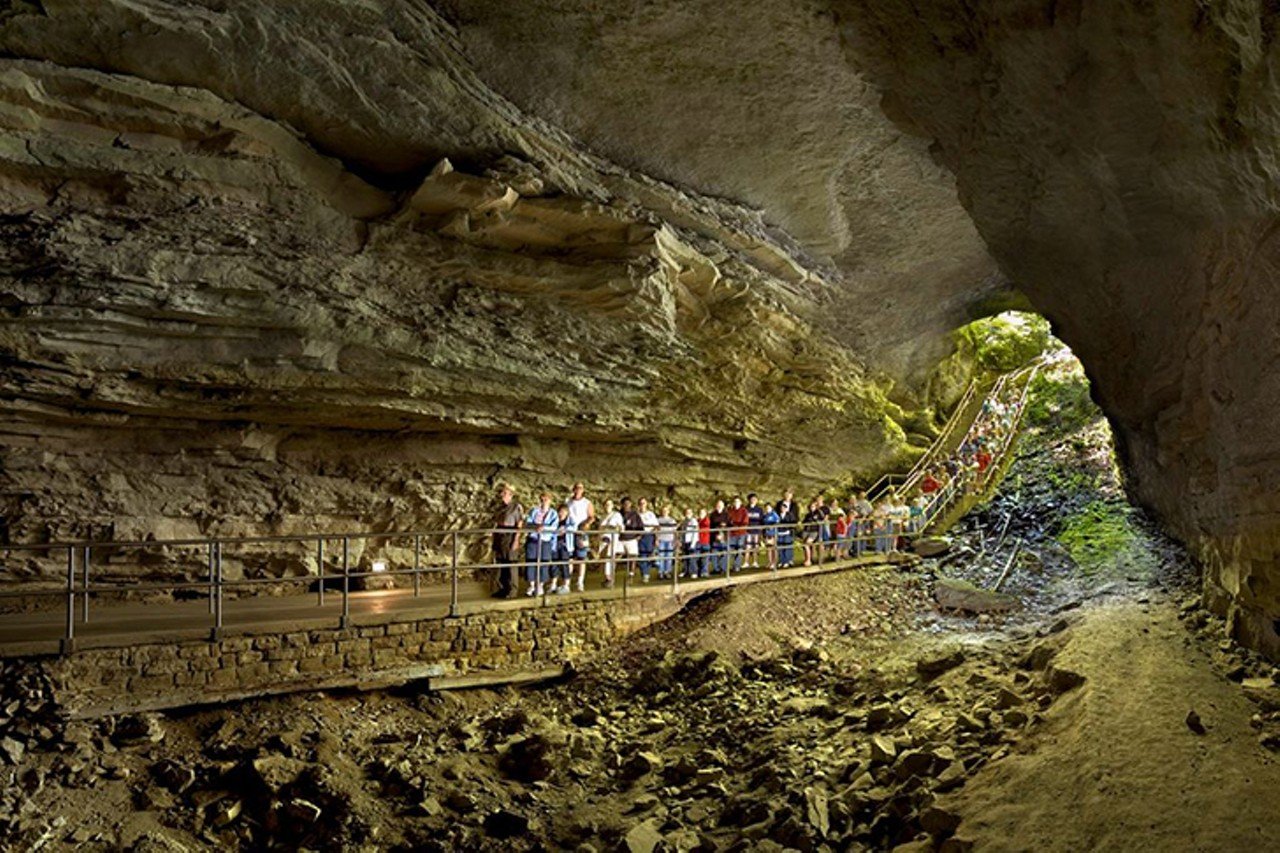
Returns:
(291,266)
(1120,160)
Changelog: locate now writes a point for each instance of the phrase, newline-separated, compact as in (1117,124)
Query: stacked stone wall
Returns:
(502,639)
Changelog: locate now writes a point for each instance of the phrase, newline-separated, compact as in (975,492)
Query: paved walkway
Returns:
(158,621)
(115,623)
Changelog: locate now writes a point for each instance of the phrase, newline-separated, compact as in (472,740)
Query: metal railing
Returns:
(435,555)
(968,482)
(929,457)
(730,555)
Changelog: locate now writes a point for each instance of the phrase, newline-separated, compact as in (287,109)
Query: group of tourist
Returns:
(968,467)
(561,538)
(657,542)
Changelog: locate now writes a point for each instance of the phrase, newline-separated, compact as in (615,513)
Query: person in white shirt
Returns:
(689,545)
(583,514)
(611,545)
(666,543)
(647,539)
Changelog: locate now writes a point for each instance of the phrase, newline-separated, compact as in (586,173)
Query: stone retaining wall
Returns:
(508,638)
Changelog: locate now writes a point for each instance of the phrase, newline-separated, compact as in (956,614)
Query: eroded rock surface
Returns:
(1120,162)
(275,267)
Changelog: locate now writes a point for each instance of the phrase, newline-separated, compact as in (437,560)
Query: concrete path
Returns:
(155,621)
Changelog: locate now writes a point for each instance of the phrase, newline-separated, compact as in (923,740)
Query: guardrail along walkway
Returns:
(430,574)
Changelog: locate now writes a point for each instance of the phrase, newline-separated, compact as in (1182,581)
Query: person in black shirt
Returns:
(719,530)
(632,529)
(508,515)
(755,517)
(788,517)
(813,521)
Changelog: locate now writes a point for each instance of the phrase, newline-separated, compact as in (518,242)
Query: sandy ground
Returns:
(1115,766)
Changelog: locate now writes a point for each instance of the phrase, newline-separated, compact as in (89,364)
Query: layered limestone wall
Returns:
(503,639)
(292,266)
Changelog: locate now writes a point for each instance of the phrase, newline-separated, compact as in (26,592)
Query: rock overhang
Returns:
(856,179)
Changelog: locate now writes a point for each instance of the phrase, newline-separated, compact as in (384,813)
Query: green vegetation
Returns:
(1008,341)
(1060,401)
(1100,536)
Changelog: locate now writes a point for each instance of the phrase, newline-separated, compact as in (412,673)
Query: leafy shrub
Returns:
(1008,341)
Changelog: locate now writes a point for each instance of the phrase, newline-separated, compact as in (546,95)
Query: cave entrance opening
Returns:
(1062,512)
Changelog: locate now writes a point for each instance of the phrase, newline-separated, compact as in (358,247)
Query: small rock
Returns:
(528,759)
(644,802)
(957,595)
(506,824)
(460,801)
(174,776)
(939,822)
(883,750)
(1194,723)
(226,811)
(640,764)
(643,837)
(585,717)
(932,667)
(1061,680)
(816,810)
(13,750)
(1006,698)
(136,729)
(276,772)
(950,778)
(931,546)
(1015,718)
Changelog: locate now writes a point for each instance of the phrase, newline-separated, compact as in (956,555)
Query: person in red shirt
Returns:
(984,460)
(930,484)
(738,518)
(842,531)
(704,543)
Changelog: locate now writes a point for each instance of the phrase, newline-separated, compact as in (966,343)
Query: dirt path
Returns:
(1115,767)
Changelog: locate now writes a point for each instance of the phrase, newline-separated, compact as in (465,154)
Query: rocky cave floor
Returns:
(830,713)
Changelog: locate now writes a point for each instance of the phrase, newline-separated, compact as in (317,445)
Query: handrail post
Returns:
(69,639)
(216,632)
(417,562)
(345,620)
(453,578)
(213,586)
(84,565)
(320,572)
(626,574)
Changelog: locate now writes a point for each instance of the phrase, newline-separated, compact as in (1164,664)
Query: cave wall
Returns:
(1120,160)
(293,266)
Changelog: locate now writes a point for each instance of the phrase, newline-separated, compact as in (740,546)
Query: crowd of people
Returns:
(655,541)
(968,467)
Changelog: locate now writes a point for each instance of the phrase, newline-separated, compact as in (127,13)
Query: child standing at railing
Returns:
(770,519)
